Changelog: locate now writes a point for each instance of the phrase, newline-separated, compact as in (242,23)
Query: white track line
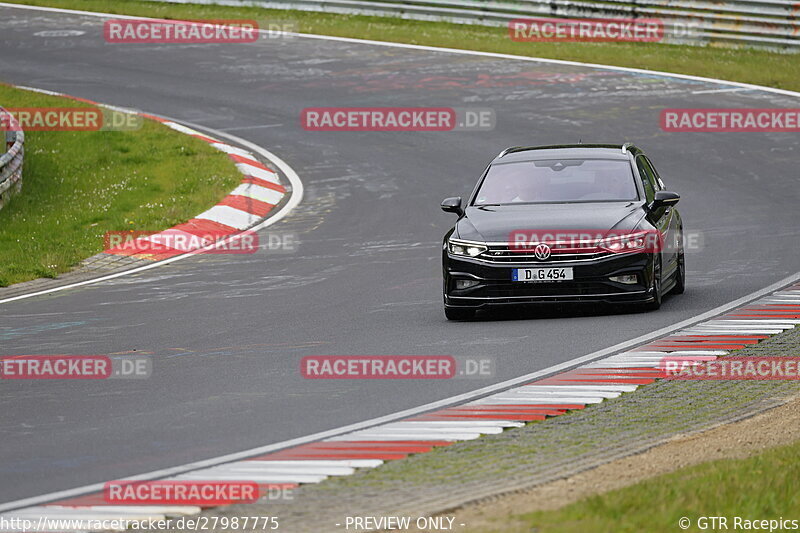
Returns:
(737,327)
(653,357)
(408,435)
(183,129)
(355,463)
(519,400)
(532,391)
(735,332)
(243,468)
(232,150)
(789,321)
(620,365)
(466,423)
(405,427)
(556,400)
(493,55)
(688,353)
(599,387)
(711,91)
(263,478)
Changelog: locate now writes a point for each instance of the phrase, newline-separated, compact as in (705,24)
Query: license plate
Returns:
(541,274)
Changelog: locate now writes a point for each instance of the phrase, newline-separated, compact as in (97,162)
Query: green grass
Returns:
(764,486)
(743,65)
(79,185)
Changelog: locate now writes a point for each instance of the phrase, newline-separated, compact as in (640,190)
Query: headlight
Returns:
(469,249)
(634,242)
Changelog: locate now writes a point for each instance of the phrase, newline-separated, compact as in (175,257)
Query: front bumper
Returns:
(590,283)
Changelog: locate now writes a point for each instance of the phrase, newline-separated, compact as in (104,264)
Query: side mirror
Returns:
(665,199)
(452,205)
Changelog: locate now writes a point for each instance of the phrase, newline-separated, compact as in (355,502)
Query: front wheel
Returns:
(455,313)
(680,276)
(655,287)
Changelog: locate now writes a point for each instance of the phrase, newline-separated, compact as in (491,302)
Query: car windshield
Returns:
(557,180)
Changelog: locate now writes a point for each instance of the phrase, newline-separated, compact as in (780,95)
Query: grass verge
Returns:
(743,65)
(761,487)
(79,185)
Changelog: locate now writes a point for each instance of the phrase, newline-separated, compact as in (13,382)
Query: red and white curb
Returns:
(577,388)
(244,207)
(259,192)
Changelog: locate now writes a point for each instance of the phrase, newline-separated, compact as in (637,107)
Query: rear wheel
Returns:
(456,313)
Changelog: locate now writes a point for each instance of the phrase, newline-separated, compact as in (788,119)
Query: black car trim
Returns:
(585,296)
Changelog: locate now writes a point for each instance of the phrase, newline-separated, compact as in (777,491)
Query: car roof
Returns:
(566,151)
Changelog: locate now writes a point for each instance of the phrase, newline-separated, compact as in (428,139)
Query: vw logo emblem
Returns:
(542,252)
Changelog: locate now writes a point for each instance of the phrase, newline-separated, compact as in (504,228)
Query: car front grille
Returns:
(507,254)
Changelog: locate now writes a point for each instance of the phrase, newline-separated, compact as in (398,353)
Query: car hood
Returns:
(495,223)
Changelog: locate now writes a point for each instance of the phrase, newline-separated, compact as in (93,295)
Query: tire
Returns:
(680,275)
(456,313)
(656,287)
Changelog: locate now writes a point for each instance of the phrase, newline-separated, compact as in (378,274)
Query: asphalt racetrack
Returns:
(227,332)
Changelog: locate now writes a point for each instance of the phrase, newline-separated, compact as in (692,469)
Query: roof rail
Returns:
(509,149)
(625,147)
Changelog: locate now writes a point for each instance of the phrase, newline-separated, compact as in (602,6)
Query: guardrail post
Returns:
(11,157)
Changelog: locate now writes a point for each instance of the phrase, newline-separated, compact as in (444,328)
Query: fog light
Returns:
(465,283)
(627,279)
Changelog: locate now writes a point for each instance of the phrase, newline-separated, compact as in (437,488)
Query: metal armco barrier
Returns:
(772,24)
(13,152)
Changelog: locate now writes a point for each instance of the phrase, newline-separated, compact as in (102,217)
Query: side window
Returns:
(648,179)
(658,182)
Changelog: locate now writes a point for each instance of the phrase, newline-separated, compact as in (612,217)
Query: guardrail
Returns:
(772,24)
(11,160)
